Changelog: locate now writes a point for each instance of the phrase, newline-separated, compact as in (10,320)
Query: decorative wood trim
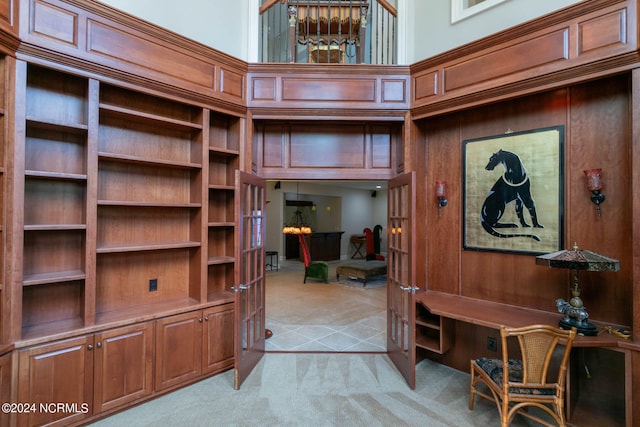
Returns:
(303,90)
(589,40)
(103,42)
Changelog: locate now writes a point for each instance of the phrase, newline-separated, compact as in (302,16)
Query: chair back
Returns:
(368,235)
(377,231)
(306,256)
(537,346)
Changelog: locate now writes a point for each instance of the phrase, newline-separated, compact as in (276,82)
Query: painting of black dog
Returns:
(512,188)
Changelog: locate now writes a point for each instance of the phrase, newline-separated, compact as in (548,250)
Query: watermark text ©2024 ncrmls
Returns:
(45,407)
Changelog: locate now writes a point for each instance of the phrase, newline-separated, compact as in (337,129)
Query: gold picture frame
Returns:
(513,192)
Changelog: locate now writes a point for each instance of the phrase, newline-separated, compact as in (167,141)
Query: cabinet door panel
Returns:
(5,385)
(178,349)
(218,338)
(58,373)
(123,366)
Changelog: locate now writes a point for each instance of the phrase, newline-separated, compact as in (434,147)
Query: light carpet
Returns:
(290,301)
(320,390)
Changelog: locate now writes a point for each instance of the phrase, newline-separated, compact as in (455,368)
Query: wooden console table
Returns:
(586,400)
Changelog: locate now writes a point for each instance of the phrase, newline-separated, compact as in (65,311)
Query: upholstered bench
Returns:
(362,270)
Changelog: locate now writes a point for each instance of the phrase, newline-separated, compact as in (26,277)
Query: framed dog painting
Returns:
(513,191)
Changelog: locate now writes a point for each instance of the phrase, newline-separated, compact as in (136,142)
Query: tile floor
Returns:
(365,335)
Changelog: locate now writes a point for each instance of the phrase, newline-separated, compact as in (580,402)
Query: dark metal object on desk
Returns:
(576,315)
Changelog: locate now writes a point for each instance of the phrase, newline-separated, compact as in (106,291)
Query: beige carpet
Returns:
(320,390)
(317,303)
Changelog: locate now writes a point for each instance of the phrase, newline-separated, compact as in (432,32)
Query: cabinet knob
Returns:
(89,347)
(99,344)
(206,318)
(200,319)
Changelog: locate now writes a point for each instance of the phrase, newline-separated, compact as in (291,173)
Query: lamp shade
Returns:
(575,259)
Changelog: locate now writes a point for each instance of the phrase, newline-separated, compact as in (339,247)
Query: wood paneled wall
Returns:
(546,53)
(596,116)
(327,150)
(334,92)
(95,38)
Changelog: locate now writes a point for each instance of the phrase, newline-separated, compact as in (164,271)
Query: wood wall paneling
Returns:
(328,89)
(335,147)
(363,90)
(116,46)
(508,61)
(99,39)
(545,54)
(263,88)
(596,119)
(327,150)
(600,138)
(55,23)
(394,90)
(232,83)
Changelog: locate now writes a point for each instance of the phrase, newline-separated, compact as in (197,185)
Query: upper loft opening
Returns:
(329,31)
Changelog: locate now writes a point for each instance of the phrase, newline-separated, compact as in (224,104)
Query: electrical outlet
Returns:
(153,285)
(492,344)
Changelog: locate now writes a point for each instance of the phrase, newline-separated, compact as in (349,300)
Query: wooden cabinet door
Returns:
(57,373)
(5,386)
(178,349)
(218,338)
(123,366)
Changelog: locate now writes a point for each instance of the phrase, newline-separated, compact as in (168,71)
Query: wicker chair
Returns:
(314,269)
(527,383)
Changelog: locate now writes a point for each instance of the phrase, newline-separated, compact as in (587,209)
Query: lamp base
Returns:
(583,327)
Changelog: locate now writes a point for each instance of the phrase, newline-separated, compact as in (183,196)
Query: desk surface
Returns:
(493,315)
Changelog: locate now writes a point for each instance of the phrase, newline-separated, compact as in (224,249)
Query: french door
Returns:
(249,324)
(401,276)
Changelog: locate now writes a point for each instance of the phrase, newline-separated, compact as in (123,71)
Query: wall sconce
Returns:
(594,184)
(441,194)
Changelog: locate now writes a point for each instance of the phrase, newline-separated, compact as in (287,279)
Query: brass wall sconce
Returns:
(441,194)
(594,184)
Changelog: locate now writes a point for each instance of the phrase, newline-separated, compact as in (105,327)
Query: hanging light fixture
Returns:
(298,224)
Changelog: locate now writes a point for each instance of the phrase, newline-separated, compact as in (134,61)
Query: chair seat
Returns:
(493,368)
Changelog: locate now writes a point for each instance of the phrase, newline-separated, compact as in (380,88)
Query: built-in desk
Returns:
(493,315)
(598,391)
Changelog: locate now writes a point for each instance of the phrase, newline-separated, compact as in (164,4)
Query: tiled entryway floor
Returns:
(365,335)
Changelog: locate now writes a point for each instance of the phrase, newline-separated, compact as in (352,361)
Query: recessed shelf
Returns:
(222,187)
(146,247)
(148,311)
(154,119)
(54,227)
(147,204)
(50,329)
(221,297)
(45,124)
(224,151)
(216,260)
(147,161)
(55,175)
(53,277)
(221,224)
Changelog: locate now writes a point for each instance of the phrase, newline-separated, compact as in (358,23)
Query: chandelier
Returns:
(298,224)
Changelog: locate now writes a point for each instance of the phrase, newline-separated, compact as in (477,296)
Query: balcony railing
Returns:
(328,31)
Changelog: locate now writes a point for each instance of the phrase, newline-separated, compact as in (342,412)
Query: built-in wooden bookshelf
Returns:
(129,204)
(224,160)
(55,201)
(149,203)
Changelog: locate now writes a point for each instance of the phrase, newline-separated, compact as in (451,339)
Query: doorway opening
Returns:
(343,315)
